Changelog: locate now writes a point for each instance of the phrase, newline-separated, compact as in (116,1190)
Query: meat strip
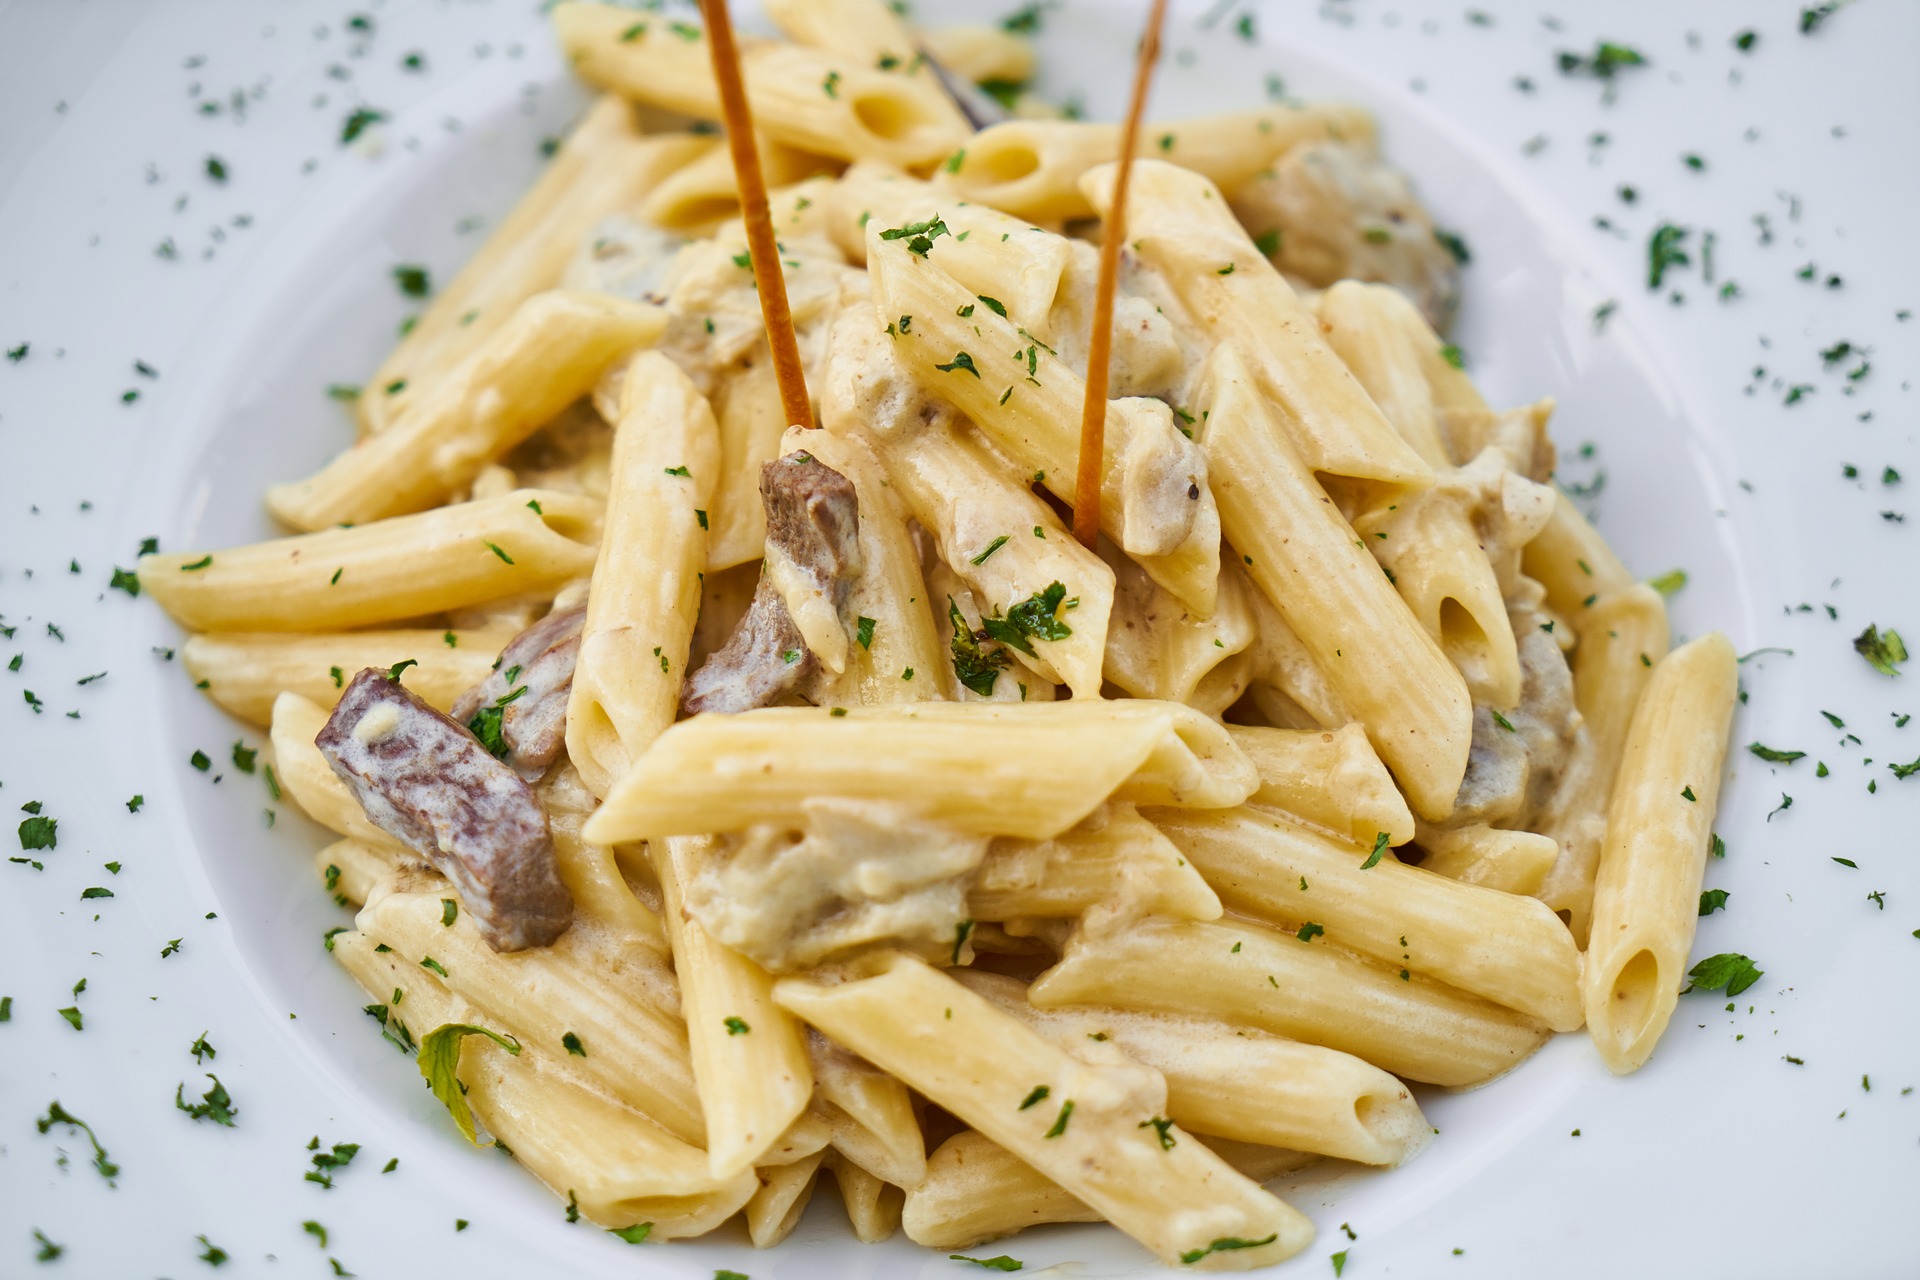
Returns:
(813,521)
(522,705)
(427,782)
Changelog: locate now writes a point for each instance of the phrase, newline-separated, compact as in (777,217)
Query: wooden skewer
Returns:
(1093,414)
(762,251)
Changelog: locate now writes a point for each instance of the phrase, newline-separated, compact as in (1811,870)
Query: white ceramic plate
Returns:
(1779,1138)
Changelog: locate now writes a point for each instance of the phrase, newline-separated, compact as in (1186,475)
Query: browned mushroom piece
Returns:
(813,525)
(522,705)
(427,782)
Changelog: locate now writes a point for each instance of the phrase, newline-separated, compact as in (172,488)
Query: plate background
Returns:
(1721,1156)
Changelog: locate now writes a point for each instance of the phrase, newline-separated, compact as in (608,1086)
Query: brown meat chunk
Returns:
(813,520)
(532,724)
(1512,767)
(426,781)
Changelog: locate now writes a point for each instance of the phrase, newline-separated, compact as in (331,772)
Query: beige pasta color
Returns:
(1646,897)
(1084,1127)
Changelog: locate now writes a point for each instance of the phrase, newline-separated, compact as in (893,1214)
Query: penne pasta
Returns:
(1236,1083)
(633,1044)
(1646,895)
(1492,857)
(1036,168)
(551,352)
(748,1054)
(869,113)
(526,542)
(1115,857)
(1180,224)
(873,1206)
(982,54)
(1084,1127)
(1072,756)
(1332,781)
(602,168)
(1625,635)
(776,1206)
(1414,1027)
(1155,502)
(619,1167)
(244,671)
(1499,946)
(646,581)
(1386,670)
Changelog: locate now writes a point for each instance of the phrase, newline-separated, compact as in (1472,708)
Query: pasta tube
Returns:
(981,54)
(1237,1083)
(1499,946)
(244,671)
(1179,223)
(1019,769)
(1158,648)
(618,1167)
(1036,168)
(1646,897)
(901,655)
(525,542)
(602,168)
(1003,257)
(873,1206)
(976,1191)
(646,581)
(1305,559)
(1083,1126)
(775,1209)
(748,1053)
(631,1042)
(1492,857)
(1252,975)
(868,113)
(1155,501)
(1625,635)
(1009,547)
(1116,856)
(1332,781)
(549,354)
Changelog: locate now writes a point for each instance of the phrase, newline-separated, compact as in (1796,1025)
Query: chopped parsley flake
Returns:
(1225,1243)
(1729,970)
(1883,650)
(439,1059)
(57,1114)
(215,1104)
(359,122)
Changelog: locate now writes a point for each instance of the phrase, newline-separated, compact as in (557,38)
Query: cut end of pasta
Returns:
(1627,1015)
(1395,1123)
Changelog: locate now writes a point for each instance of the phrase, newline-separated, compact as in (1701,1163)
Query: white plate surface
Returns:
(1779,1139)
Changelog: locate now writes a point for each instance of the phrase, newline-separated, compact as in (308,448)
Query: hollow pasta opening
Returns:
(1008,163)
(1464,639)
(1633,998)
(884,115)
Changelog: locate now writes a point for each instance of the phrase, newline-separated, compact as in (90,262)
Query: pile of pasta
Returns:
(1072,884)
